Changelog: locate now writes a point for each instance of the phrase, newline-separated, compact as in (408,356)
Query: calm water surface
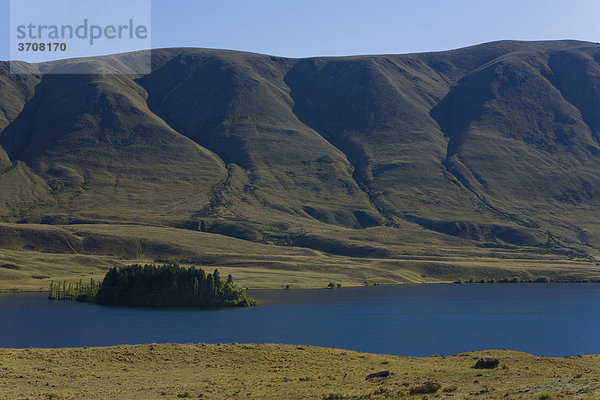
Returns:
(417,320)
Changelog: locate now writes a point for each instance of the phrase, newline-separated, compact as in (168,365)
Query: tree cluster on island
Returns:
(167,285)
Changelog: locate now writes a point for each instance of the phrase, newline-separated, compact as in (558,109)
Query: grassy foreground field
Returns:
(265,371)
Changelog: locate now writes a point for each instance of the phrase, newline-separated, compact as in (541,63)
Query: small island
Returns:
(167,285)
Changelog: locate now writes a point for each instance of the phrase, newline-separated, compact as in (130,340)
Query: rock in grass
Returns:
(380,374)
(487,363)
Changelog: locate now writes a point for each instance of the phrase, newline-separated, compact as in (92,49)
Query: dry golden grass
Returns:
(256,265)
(31,255)
(261,271)
(229,371)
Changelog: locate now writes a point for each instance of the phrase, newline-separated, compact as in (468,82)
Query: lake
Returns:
(415,320)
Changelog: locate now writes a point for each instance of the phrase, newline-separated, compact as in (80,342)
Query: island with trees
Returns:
(168,285)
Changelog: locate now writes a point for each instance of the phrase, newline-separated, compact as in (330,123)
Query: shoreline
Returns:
(351,286)
(127,345)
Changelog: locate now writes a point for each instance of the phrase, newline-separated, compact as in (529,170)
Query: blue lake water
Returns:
(416,320)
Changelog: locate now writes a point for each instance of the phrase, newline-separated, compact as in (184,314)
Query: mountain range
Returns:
(495,146)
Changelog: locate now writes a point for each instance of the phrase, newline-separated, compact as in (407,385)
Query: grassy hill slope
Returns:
(494,146)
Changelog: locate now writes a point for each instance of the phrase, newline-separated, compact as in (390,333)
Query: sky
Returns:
(305,28)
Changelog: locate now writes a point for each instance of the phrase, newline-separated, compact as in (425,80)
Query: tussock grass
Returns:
(88,251)
(170,371)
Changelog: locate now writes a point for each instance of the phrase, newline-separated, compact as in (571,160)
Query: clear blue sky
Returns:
(343,27)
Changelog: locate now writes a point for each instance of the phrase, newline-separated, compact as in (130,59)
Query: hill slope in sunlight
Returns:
(491,145)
